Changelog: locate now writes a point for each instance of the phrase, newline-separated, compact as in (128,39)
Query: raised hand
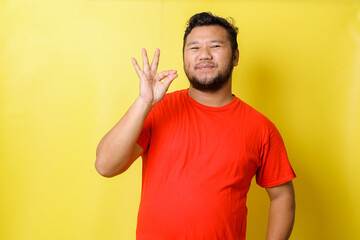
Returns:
(153,85)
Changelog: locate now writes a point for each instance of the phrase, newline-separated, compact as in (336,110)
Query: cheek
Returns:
(188,65)
(187,68)
(189,58)
(190,70)
(226,61)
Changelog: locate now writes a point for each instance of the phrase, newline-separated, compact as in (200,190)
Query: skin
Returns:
(281,212)
(208,63)
(118,149)
(207,54)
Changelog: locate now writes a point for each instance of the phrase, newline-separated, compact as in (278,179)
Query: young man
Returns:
(200,146)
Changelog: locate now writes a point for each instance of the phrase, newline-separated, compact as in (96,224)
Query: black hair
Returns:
(208,19)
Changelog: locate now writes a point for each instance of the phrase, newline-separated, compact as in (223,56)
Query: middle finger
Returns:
(146,67)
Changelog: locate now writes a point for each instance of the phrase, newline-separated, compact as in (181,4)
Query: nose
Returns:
(205,53)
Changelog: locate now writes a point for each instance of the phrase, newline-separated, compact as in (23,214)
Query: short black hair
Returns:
(208,19)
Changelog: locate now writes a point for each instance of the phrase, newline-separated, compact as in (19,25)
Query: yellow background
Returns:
(66,78)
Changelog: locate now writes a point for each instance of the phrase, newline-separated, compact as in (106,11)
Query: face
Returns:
(208,58)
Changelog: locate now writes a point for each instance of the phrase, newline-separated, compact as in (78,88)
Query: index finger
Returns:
(155,61)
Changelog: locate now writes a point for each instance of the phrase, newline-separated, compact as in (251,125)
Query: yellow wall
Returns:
(66,78)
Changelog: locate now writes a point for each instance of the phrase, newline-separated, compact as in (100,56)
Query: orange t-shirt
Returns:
(198,163)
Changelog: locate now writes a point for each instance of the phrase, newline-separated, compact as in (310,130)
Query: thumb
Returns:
(168,80)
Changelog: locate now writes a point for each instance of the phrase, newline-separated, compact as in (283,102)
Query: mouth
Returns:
(204,66)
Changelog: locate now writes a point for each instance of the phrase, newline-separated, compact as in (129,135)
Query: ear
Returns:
(236,58)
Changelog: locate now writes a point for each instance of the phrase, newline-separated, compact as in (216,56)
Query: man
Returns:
(200,146)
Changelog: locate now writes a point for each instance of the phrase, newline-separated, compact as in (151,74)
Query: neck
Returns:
(217,98)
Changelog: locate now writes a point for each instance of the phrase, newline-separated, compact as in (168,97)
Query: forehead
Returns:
(207,33)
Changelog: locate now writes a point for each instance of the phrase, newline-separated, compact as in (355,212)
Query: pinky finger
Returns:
(136,66)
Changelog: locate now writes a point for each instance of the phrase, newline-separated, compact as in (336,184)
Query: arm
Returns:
(282,211)
(118,149)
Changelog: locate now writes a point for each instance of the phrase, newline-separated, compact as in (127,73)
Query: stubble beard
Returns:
(207,84)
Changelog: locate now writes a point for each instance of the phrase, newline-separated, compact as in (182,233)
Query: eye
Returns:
(215,46)
(194,48)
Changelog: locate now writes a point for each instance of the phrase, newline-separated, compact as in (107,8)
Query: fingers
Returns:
(168,80)
(136,66)
(164,74)
(154,65)
(155,61)
(146,66)
(145,59)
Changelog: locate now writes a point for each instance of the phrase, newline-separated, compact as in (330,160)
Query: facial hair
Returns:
(210,84)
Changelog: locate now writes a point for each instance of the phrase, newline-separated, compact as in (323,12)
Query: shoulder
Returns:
(256,125)
(255,118)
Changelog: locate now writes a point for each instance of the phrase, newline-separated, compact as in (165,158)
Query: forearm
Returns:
(281,218)
(115,151)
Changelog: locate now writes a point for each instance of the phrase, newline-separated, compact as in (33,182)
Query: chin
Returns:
(208,85)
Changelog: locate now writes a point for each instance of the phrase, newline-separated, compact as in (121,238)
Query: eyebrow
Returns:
(197,42)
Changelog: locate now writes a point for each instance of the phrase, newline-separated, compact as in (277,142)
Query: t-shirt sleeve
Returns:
(275,167)
(145,134)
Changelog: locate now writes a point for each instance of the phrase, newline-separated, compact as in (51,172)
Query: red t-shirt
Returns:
(198,163)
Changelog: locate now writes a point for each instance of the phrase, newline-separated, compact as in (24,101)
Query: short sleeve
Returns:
(145,134)
(275,167)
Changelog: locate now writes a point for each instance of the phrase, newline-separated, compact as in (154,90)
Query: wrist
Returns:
(147,105)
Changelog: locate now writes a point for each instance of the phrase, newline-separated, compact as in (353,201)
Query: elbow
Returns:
(103,170)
